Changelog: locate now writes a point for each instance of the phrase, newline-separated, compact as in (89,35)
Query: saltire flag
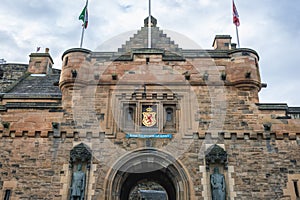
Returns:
(84,16)
(235,13)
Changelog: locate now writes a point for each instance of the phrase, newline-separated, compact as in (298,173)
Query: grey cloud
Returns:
(272,28)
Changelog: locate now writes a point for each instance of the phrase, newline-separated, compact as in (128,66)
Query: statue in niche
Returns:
(78,184)
(218,185)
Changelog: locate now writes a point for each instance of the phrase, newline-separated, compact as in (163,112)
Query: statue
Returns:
(218,187)
(78,184)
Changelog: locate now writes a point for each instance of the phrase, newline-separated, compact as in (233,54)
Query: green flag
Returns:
(84,16)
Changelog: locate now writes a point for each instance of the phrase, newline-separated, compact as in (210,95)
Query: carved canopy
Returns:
(216,154)
(80,153)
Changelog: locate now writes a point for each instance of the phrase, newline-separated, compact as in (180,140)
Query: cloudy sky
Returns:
(272,28)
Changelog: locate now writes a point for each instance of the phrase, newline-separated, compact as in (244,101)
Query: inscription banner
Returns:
(158,136)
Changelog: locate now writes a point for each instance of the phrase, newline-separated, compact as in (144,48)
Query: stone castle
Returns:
(144,120)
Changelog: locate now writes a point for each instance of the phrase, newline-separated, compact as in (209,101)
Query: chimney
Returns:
(40,63)
(222,42)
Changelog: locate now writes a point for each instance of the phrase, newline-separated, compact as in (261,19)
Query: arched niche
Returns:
(80,163)
(216,166)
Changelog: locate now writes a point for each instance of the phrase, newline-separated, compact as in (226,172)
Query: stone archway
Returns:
(147,165)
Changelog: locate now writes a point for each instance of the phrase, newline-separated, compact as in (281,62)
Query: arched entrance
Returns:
(144,166)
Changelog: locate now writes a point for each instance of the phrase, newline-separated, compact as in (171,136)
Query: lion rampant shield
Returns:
(149,118)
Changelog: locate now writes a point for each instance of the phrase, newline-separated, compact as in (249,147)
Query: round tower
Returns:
(72,77)
(243,71)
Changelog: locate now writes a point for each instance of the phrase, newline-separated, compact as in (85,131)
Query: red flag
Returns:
(235,13)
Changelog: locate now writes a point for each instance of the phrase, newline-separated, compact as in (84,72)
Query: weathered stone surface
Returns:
(45,117)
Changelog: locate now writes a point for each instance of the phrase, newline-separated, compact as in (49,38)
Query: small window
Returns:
(296,188)
(7,194)
(169,112)
(169,118)
(1,73)
(129,116)
(66,60)
(38,64)
(147,60)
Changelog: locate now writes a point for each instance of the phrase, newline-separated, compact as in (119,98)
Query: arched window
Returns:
(169,114)
(169,118)
(129,116)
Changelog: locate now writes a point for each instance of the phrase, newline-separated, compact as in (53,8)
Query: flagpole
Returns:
(149,26)
(84,24)
(237,35)
(236,21)
(82,35)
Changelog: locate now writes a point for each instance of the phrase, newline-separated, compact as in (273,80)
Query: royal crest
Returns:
(149,117)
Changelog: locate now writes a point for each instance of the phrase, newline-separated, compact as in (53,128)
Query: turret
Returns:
(72,73)
(243,71)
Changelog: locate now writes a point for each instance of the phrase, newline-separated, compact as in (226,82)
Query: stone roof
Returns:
(36,86)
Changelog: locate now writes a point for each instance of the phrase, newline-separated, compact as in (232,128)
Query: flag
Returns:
(38,49)
(84,16)
(235,13)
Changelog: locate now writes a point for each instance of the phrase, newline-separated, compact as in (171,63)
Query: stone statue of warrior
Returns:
(78,184)
(218,185)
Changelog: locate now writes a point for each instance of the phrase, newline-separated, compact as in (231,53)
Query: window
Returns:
(169,113)
(296,188)
(1,73)
(169,118)
(38,64)
(129,116)
(7,194)
(66,60)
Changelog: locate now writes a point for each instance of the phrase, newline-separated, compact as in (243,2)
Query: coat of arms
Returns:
(149,117)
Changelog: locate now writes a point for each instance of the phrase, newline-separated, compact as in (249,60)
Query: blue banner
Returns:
(145,136)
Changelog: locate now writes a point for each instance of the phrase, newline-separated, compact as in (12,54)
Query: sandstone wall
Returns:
(37,168)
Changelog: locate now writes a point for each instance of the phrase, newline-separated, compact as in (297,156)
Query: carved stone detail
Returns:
(216,154)
(80,153)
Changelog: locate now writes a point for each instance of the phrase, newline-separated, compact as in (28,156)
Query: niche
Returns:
(80,163)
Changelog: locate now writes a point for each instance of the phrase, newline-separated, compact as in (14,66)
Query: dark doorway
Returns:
(148,190)
(147,166)
(160,177)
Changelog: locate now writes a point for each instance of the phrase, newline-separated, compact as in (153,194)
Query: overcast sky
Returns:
(272,28)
